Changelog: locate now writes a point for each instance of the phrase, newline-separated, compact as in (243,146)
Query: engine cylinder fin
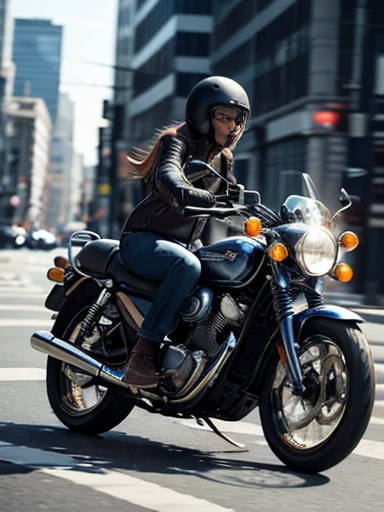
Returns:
(210,333)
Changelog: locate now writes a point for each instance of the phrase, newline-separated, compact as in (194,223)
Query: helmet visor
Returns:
(230,114)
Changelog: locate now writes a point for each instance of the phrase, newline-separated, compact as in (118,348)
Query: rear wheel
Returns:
(79,402)
(314,432)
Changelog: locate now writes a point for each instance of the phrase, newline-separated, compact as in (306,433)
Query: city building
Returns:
(61,158)
(6,84)
(166,44)
(37,56)
(314,72)
(6,38)
(171,54)
(29,142)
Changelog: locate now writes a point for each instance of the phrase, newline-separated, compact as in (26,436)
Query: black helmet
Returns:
(213,92)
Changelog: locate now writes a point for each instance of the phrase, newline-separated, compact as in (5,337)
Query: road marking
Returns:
(371,449)
(17,288)
(15,293)
(114,483)
(16,374)
(367,311)
(28,322)
(22,307)
(375,420)
(241,427)
(366,448)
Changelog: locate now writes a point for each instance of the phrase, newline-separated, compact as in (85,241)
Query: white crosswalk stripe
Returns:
(114,483)
(366,447)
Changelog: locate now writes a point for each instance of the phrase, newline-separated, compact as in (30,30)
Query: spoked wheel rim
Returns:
(308,421)
(80,394)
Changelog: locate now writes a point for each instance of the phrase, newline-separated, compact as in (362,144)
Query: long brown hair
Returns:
(141,161)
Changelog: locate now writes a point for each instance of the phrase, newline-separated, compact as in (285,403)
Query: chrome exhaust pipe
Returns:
(46,342)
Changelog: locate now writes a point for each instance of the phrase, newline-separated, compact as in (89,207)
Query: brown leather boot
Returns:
(140,371)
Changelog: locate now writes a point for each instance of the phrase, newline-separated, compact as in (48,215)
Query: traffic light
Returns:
(335,120)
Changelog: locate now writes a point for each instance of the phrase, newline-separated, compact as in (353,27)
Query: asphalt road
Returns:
(150,462)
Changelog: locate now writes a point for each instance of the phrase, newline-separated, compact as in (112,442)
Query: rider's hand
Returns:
(234,191)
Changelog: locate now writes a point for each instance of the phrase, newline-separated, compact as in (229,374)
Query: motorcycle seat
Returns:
(101,259)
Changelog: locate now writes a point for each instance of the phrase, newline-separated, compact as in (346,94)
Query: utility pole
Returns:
(359,166)
(117,130)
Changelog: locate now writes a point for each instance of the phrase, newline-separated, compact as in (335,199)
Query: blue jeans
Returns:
(151,256)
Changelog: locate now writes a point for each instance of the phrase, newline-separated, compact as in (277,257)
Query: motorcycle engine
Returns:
(212,318)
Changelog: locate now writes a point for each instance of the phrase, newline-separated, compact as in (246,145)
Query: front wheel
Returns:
(316,431)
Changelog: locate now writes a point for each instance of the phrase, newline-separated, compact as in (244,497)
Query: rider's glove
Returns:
(233,191)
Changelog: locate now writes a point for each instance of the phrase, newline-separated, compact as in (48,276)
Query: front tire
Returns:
(314,433)
(90,409)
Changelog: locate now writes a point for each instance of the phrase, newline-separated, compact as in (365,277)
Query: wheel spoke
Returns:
(308,421)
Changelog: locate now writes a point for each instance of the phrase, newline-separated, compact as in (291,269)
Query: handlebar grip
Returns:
(221,197)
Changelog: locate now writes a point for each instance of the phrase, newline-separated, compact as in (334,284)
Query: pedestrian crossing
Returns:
(132,487)
(113,483)
(28,295)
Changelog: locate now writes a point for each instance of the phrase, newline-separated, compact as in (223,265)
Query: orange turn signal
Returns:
(349,240)
(56,274)
(252,226)
(343,272)
(278,252)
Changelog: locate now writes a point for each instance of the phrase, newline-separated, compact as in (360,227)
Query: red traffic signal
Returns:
(326,118)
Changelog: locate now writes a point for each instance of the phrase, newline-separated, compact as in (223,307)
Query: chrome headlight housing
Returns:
(316,251)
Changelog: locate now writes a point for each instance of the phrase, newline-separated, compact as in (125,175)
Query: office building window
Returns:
(140,3)
(186,81)
(190,44)
(235,20)
(157,116)
(235,61)
(153,22)
(283,164)
(155,69)
(162,12)
(193,6)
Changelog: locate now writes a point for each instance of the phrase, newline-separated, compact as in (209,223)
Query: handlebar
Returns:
(215,211)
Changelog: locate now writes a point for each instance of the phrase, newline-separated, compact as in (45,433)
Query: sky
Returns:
(88,35)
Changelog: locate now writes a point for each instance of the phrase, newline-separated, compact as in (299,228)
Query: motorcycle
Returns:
(254,333)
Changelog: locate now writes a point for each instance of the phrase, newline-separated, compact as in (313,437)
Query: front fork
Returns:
(284,310)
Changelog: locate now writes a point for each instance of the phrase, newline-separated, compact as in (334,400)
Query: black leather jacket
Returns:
(161,211)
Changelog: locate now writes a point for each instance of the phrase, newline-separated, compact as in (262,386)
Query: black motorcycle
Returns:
(255,332)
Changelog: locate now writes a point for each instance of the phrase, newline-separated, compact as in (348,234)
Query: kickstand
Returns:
(213,427)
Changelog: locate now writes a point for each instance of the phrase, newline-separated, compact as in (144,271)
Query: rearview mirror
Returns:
(344,198)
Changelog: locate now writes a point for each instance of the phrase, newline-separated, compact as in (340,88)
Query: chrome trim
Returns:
(46,342)
(208,380)
(200,365)
(72,258)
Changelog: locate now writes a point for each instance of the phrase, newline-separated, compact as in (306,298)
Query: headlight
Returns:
(316,252)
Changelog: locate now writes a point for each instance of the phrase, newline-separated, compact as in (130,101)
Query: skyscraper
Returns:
(37,55)
(6,76)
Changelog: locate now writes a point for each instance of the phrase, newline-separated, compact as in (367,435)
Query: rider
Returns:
(156,233)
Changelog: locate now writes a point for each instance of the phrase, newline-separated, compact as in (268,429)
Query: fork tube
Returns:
(283,305)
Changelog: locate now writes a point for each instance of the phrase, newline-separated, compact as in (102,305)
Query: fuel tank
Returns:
(231,262)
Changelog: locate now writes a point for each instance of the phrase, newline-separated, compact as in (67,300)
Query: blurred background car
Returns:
(41,239)
(12,237)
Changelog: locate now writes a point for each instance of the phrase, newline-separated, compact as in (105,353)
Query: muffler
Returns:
(45,341)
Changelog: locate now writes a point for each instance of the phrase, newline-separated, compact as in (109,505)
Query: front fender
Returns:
(326,311)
